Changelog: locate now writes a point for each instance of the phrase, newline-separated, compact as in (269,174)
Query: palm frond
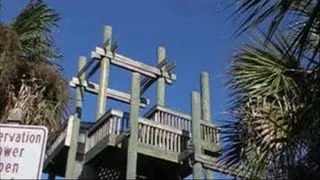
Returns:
(273,15)
(34,26)
(262,90)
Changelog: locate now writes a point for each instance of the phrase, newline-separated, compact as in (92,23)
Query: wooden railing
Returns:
(162,136)
(209,132)
(170,117)
(113,122)
(53,144)
(163,128)
(181,121)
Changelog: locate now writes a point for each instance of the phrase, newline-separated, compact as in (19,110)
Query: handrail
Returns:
(105,117)
(161,126)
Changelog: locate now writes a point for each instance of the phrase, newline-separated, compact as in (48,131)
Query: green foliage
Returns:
(29,76)
(274,84)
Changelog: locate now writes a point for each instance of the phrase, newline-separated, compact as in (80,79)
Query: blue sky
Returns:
(196,34)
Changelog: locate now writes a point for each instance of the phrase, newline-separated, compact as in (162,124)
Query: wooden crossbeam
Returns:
(122,137)
(111,93)
(133,65)
(186,154)
(170,66)
(211,163)
(93,70)
(146,82)
(162,64)
(85,67)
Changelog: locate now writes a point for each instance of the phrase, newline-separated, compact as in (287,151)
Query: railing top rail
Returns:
(167,110)
(163,126)
(209,124)
(176,113)
(105,117)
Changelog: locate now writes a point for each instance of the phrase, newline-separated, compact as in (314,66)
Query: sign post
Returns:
(22,150)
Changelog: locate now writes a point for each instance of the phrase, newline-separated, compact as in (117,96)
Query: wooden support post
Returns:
(161,55)
(72,151)
(205,96)
(195,119)
(205,106)
(104,73)
(133,125)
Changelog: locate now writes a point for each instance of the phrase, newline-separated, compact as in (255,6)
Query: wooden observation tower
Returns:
(161,144)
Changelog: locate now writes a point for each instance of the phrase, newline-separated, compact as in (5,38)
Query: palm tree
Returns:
(275,103)
(30,76)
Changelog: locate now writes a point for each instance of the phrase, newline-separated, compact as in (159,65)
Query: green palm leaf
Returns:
(34,26)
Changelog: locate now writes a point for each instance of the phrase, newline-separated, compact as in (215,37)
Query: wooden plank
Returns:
(211,163)
(95,150)
(69,131)
(160,126)
(133,65)
(156,152)
(111,93)
(170,66)
(146,82)
(209,146)
(173,112)
(210,125)
(105,117)
(52,153)
(162,64)
(123,136)
(186,154)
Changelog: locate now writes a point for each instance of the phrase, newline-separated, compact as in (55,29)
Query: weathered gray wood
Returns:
(212,163)
(103,119)
(196,137)
(72,151)
(104,73)
(161,56)
(160,126)
(111,93)
(132,153)
(122,137)
(145,84)
(156,152)
(170,66)
(186,153)
(205,96)
(133,65)
(85,68)
(93,70)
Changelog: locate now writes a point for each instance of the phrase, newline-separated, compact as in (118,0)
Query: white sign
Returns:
(22,151)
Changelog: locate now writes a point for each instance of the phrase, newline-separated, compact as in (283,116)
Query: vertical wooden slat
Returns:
(210,133)
(166,145)
(155,136)
(144,134)
(148,135)
(160,138)
(171,141)
(152,135)
(179,143)
(174,142)
(110,125)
